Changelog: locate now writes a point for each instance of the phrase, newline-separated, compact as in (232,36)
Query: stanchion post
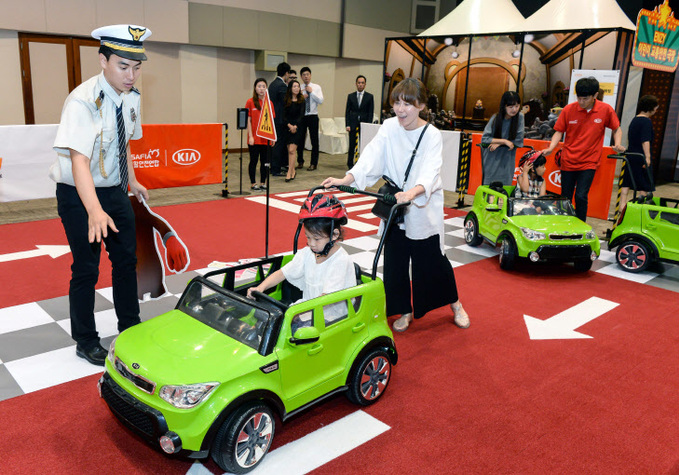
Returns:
(463,169)
(225,191)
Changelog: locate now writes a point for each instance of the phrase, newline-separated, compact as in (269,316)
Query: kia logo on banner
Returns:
(186,156)
(555,178)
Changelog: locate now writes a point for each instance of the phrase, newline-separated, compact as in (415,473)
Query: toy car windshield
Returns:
(556,206)
(234,318)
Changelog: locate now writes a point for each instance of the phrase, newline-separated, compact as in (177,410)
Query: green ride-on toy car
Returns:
(646,231)
(540,229)
(209,377)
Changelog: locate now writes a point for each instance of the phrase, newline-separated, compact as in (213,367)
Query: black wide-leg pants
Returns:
(433,279)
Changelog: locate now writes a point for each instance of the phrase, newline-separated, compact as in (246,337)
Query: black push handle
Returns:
(387,198)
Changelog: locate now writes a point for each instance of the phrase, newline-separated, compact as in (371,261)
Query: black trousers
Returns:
(257,154)
(433,282)
(121,248)
(279,155)
(310,123)
(353,141)
(578,183)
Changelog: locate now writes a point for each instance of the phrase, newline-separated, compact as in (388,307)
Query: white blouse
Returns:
(389,154)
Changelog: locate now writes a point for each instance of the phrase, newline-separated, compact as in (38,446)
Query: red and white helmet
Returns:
(323,206)
(529,157)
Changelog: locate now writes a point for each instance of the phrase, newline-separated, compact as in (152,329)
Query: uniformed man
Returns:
(93,171)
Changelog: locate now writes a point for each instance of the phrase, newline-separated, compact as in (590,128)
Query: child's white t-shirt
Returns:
(333,274)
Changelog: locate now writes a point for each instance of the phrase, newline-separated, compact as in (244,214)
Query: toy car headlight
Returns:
(532,235)
(188,395)
(590,234)
(112,350)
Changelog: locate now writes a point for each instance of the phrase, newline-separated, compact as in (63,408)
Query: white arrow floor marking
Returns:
(42,250)
(317,448)
(562,326)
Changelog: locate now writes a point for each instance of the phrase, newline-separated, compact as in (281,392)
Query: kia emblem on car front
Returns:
(136,365)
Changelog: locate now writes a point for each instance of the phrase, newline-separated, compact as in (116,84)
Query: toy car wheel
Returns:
(582,265)
(507,253)
(244,438)
(471,231)
(633,256)
(370,379)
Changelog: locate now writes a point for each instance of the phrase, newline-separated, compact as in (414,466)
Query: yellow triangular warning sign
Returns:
(265,125)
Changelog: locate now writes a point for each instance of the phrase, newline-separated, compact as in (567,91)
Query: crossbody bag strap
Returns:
(412,157)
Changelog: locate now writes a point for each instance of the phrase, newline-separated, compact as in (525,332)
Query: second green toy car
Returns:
(540,229)
(647,230)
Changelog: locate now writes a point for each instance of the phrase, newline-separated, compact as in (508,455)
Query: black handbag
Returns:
(382,208)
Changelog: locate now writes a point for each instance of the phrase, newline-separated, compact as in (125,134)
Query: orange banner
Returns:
(599,193)
(171,155)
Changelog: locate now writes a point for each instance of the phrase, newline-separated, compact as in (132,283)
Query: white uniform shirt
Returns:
(92,131)
(389,154)
(316,98)
(333,274)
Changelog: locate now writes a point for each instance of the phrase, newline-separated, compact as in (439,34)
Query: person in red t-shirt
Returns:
(584,123)
(256,145)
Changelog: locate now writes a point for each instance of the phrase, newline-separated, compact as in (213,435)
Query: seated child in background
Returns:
(323,266)
(530,184)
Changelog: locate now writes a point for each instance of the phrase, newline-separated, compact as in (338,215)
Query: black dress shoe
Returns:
(277,174)
(299,166)
(95,355)
(311,168)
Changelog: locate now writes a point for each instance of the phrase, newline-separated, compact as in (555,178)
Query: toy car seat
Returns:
(497,186)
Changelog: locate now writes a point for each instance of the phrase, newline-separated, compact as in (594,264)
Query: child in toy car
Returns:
(530,184)
(322,267)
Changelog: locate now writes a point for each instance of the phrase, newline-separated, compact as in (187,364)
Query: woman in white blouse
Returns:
(419,240)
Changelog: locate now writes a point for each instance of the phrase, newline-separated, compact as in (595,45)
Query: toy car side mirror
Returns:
(305,335)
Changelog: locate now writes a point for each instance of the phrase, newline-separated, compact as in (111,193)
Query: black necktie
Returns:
(122,148)
(308,102)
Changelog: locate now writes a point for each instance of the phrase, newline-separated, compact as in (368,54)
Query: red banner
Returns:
(171,155)
(599,194)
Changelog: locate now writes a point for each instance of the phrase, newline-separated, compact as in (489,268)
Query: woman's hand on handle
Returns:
(331,182)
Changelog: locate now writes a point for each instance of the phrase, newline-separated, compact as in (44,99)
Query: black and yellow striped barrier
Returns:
(616,214)
(225,150)
(464,166)
(356,147)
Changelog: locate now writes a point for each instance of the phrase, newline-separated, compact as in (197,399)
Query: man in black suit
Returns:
(277,90)
(360,108)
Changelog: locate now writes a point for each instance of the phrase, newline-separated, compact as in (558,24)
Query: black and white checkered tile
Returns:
(36,350)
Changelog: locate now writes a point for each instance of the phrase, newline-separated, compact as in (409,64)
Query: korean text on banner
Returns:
(656,41)
(265,126)
(178,155)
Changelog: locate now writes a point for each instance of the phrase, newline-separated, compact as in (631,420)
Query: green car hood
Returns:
(549,224)
(175,348)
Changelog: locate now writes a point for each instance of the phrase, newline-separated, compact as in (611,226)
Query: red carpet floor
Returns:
(483,400)
(213,230)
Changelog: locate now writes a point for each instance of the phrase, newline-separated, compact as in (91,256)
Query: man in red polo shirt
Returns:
(584,123)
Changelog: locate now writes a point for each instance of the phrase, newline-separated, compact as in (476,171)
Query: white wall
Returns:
(327,10)
(199,84)
(11,99)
